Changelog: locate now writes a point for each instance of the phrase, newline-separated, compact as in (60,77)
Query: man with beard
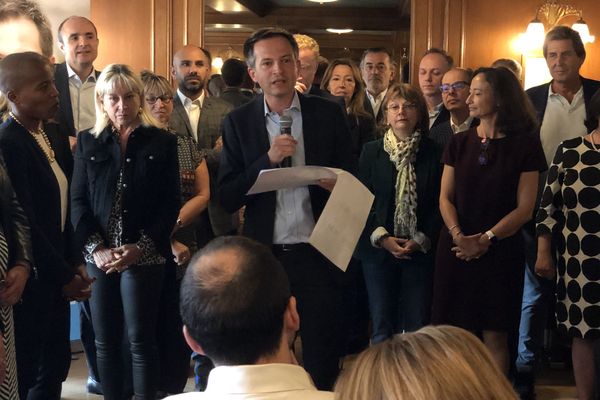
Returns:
(377,72)
(197,115)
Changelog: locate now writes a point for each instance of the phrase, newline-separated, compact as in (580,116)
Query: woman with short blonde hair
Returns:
(442,362)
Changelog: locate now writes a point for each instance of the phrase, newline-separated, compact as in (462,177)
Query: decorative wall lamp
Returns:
(549,14)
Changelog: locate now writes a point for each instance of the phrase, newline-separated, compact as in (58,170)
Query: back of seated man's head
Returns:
(233,299)
(234,72)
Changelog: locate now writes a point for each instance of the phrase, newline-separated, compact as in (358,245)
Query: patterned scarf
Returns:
(403,154)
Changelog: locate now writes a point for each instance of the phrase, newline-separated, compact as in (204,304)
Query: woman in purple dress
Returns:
(488,192)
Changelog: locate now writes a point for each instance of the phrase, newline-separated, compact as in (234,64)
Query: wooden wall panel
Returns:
(478,32)
(492,26)
(145,33)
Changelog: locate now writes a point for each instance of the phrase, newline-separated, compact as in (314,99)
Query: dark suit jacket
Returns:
(235,96)
(378,173)
(151,198)
(368,107)
(539,97)
(38,192)
(65,111)
(442,117)
(362,130)
(210,127)
(245,146)
(441,133)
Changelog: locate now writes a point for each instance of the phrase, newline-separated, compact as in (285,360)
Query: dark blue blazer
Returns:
(539,97)
(246,143)
(65,111)
(379,174)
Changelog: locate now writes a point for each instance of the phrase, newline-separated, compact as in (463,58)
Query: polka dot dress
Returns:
(570,210)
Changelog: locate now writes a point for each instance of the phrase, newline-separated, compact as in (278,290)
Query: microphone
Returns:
(285,128)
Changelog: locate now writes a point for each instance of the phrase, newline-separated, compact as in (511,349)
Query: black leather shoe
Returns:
(93,386)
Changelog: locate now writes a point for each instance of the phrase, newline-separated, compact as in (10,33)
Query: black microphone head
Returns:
(285,122)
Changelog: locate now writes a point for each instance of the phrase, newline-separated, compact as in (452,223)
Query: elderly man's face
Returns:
(79,43)
(308,67)
(18,35)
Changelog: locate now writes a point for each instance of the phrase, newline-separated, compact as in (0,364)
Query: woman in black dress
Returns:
(488,191)
(126,198)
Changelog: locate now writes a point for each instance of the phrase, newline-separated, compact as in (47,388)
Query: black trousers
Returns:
(42,324)
(317,285)
(130,299)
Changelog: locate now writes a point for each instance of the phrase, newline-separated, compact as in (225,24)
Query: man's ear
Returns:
(192,342)
(12,96)
(173,72)
(252,74)
(291,318)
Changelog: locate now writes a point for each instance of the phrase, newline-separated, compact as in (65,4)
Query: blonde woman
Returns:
(126,198)
(442,362)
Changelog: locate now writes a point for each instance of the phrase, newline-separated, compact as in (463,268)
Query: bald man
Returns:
(39,164)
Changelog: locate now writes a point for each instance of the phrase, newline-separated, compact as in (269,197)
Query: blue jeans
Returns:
(399,294)
(537,296)
(131,299)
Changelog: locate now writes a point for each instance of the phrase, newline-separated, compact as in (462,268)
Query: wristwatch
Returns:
(492,237)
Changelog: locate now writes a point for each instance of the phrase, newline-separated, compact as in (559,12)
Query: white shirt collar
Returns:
(73,75)
(294,106)
(264,378)
(577,95)
(462,127)
(187,102)
(378,98)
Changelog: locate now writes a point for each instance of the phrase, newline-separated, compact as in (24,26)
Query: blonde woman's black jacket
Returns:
(150,194)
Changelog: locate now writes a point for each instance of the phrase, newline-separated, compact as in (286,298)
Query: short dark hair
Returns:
(233,72)
(516,114)
(10,9)
(443,53)
(593,112)
(410,94)
(565,33)
(374,50)
(235,312)
(267,33)
(60,39)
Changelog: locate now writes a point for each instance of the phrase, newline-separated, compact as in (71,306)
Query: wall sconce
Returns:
(552,12)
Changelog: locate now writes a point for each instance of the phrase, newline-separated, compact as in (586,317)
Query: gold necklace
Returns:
(39,135)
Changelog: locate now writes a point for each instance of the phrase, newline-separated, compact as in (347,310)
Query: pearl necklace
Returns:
(39,135)
(592,140)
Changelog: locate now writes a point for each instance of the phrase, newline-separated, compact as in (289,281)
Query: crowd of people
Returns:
(130,198)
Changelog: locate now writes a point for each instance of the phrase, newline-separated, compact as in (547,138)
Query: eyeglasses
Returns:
(483,158)
(165,99)
(395,108)
(446,87)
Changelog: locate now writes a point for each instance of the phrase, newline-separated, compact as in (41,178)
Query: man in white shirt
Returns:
(76,77)
(434,64)
(237,308)
(377,72)
(455,90)
(560,106)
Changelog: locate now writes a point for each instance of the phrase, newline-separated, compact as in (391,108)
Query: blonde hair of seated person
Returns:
(442,362)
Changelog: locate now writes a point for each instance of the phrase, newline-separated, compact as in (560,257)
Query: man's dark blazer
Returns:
(442,117)
(235,96)
(245,146)
(441,133)
(210,127)
(379,175)
(539,97)
(65,111)
(38,192)
(368,107)
(317,91)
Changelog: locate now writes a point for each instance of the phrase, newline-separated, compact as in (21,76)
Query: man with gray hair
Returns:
(238,309)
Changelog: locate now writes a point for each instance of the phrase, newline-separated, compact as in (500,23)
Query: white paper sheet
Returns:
(343,219)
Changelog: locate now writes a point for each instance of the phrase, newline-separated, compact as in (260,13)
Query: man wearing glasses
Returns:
(454,91)
(377,72)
